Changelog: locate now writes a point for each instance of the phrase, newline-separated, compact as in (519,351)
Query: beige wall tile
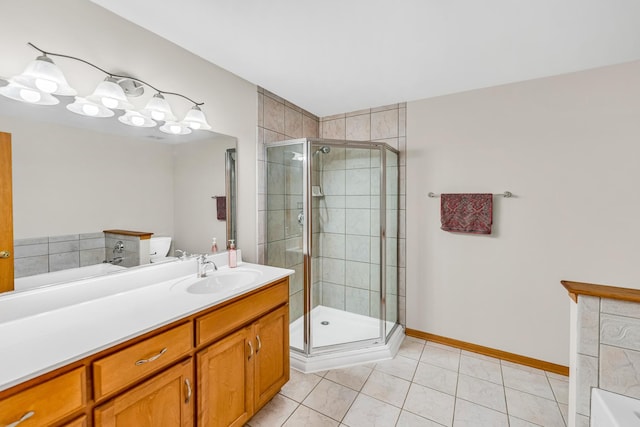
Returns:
(358,128)
(310,127)
(384,124)
(622,308)
(333,117)
(333,129)
(260,109)
(292,123)
(359,112)
(587,377)
(402,122)
(620,371)
(385,107)
(273,115)
(588,325)
(620,331)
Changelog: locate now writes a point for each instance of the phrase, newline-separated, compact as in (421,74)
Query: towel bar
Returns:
(506,194)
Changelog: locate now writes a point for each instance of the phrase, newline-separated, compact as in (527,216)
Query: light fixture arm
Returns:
(44,52)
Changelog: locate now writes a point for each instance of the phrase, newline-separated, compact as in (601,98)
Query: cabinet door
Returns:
(272,354)
(166,400)
(225,386)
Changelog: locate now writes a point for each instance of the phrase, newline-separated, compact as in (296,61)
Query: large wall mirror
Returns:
(77,175)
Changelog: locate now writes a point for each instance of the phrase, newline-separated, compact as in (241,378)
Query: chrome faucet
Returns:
(202,265)
(183,254)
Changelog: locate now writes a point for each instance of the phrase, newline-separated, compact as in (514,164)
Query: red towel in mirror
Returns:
(221,207)
(466,213)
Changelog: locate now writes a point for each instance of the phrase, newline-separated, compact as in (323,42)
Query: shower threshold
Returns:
(334,327)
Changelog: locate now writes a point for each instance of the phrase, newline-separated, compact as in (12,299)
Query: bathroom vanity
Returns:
(132,350)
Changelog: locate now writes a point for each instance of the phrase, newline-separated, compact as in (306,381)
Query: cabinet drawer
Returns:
(49,401)
(226,319)
(80,422)
(125,367)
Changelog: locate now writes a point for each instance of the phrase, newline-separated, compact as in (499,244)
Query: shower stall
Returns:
(332,216)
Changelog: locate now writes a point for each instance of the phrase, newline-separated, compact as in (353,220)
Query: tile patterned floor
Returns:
(426,384)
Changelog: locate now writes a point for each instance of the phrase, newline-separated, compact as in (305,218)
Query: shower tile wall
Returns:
(279,120)
(384,124)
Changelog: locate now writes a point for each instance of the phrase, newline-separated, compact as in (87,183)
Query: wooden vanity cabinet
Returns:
(46,403)
(237,353)
(166,400)
(225,385)
(239,374)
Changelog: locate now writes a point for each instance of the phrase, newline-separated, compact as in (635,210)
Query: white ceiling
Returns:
(335,56)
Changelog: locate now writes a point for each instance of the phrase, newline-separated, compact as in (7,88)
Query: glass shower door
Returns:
(392,235)
(345,205)
(285,226)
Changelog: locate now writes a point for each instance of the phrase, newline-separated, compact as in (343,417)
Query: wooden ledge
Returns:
(602,291)
(142,235)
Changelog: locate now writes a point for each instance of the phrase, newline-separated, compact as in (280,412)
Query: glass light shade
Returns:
(87,108)
(110,94)
(42,74)
(175,128)
(158,109)
(195,119)
(133,118)
(22,93)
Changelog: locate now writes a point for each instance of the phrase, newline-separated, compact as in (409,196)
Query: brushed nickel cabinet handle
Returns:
(259,343)
(152,358)
(5,254)
(24,418)
(187,383)
(250,349)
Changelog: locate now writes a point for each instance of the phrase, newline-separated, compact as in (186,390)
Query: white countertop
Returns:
(44,329)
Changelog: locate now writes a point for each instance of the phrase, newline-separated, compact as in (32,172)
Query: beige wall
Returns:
(199,174)
(568,148)
(70,181)
(82,29)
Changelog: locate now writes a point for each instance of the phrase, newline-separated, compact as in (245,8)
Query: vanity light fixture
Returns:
(42,79)
(175,128)
(195,119)
(90,109)
(133,118)
(158,109)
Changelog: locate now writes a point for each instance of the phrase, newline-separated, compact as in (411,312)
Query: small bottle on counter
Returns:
(233,256)
(214,246)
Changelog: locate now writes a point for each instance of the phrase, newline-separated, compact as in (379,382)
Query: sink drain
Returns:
(324,322)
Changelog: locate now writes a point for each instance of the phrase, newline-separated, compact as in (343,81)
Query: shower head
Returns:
(324,150)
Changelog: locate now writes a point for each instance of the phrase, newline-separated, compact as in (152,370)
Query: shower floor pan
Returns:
(332,327)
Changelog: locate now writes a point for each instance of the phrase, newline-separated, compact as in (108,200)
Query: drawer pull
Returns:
(152,358)
(187,383)
(259,343)
(24,418)
(250,349)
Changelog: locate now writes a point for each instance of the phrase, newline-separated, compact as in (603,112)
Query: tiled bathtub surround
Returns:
(132,249)
(54,253)
(608,351)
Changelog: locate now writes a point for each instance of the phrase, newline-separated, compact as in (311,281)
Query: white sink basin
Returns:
(220,281)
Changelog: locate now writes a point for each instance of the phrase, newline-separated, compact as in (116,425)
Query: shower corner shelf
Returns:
(316,191)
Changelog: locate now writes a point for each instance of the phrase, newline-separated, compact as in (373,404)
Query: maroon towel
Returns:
(221,207)
(466,213)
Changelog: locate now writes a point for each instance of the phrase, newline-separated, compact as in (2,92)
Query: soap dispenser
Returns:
(214,246)
(233,256)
